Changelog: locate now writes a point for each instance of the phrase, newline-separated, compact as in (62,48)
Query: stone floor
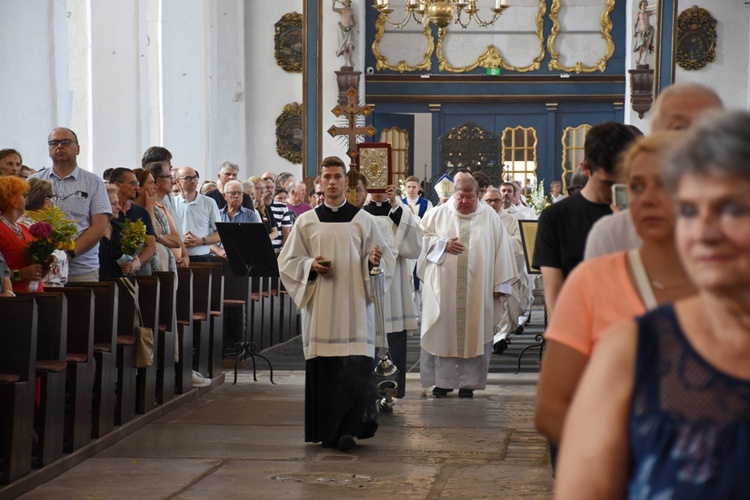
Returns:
(246,441)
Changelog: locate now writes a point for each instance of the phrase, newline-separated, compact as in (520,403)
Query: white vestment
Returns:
(405,242)
(336,310)
(513,307)
(459,312)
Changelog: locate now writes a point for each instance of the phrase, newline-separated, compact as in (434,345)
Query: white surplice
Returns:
(405,242)
(459,312)
(335,310)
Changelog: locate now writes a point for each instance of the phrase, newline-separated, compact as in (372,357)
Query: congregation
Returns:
(647,306)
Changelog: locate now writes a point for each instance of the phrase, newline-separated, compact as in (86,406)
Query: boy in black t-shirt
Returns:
(563,227)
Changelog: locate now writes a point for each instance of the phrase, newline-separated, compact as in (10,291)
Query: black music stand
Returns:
(529,229)
(250,254)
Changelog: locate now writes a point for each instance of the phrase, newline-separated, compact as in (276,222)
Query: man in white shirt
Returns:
(197,216)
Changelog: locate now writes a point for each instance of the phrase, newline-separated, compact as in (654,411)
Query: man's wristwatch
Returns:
(16,275)
(204,240)
(71,253)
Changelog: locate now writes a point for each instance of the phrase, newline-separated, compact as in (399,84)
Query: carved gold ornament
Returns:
(289,133)
(491,57)
(382,63)
(579,67)
(288,42)
(696,38)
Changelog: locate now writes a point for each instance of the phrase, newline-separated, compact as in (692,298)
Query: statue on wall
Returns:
(643,33)
(347,25)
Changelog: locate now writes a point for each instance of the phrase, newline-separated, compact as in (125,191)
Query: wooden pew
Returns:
(17,381)
(51,351)
(184,308)
(217,316)
(148,300)
(107,300)
(201,317)
(234,309)
(81,371)
(166,336)
(126,371)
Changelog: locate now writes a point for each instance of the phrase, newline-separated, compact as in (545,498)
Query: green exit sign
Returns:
(493,71)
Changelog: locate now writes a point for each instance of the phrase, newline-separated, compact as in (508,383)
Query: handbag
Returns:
(144,336)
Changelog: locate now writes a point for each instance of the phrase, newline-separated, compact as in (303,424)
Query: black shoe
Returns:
(330,444)
(466,393)
(346,442)
(519,330)
(439,392)
(500,346)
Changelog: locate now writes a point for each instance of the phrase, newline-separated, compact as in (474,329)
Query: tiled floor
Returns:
(246,441)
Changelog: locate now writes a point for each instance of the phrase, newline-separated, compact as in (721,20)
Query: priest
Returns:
(467,267)
(325,267)
(401,229)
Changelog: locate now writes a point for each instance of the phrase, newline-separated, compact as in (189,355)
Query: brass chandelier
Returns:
(441,12)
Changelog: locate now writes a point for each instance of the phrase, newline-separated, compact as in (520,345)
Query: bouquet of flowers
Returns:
(133,237)
(51,231)
(537,199)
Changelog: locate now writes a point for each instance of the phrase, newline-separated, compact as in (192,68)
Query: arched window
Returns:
(519,155)
(399,141)
(572,151)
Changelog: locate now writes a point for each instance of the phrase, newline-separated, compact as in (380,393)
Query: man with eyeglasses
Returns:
(316,194)
(197,215)
(81,196)
(512,309)
(228,171)
(233,212)
(127,191)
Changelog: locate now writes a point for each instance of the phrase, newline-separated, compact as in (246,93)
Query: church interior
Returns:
(505,87)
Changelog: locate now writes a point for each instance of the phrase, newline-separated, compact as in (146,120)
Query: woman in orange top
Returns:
(604,291)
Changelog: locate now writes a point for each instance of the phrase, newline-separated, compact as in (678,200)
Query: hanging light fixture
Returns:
(441,12)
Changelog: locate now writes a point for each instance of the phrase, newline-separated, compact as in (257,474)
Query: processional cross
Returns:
(351,110)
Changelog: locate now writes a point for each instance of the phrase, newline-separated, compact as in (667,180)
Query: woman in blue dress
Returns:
(663,409)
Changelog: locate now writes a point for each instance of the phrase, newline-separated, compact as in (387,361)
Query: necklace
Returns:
(13,227)
(661,286)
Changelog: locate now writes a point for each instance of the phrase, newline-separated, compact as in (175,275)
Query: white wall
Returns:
(268,87)
(728,74)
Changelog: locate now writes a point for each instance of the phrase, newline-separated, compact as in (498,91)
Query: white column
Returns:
(117,38)
(186,76)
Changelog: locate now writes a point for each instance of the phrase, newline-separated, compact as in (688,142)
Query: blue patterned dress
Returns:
(689,422)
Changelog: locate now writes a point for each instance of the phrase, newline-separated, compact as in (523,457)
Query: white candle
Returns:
(504,3)
(497,4)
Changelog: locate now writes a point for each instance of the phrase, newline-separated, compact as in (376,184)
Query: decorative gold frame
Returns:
(491,57)
(287,31)
(606,22)
(380,59)
(288,125)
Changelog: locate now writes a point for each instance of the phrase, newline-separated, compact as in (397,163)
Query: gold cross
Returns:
(351,110)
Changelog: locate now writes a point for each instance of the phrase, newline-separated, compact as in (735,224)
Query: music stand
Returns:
(250,254)
(529,229)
